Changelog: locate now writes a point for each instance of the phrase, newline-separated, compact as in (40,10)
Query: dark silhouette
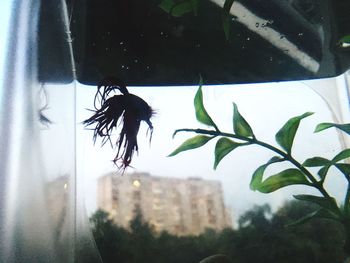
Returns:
(261,237)
(131,108)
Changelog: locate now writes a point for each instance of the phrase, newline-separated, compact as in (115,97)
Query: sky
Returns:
(265,106)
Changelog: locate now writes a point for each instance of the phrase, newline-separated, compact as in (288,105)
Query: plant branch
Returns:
(285,155)
(347,176)
(347,196)
(347,200)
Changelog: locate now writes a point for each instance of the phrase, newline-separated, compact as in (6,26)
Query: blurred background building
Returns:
(178,206)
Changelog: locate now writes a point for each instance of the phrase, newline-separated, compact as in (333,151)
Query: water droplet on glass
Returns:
(234,18)
(257,24)
(124,49)
(300,34)
(127,68)
(148,67)
(281,36)
(248,38)
(271,59)
(161,33)
(136,60)
(121,43)
(123,66)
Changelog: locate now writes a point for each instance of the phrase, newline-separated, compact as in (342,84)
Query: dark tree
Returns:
(111,240)
(262,236)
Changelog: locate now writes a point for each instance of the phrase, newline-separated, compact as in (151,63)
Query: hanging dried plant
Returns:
(129,108)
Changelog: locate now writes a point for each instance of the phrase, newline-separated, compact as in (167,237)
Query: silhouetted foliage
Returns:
(262,236)
(112,240)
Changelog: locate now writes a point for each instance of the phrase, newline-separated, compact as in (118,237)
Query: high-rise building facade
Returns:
(178,206)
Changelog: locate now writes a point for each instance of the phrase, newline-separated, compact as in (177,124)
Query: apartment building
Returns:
(178,206)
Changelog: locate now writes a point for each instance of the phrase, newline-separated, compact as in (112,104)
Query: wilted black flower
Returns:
(128,107)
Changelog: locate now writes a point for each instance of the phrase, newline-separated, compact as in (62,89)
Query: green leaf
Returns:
(217,258)
(201,113)
(227,6)
(257,177)
(282,179)
(285,136)
(166,5)
(319,161)
(316,161)
(226,17)
(191,143)
(345,40)
(323,171)
(341,156)
(223,147)
(181,8)
(321,213)
(328,204)
(259,173)
(240,125)
(302,220)
(344,168)
(326,214)
(195,5)
(226,24)
(177,9)
(326,125)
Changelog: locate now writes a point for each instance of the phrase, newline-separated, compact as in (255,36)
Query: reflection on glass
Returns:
(181,201)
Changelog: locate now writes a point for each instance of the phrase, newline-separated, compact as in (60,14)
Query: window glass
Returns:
(182,196)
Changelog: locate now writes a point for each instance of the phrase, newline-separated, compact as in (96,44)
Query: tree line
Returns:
(262,236)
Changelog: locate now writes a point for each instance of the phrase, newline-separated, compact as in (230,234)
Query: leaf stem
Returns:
(347,196)
(347,200)
(285,155)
